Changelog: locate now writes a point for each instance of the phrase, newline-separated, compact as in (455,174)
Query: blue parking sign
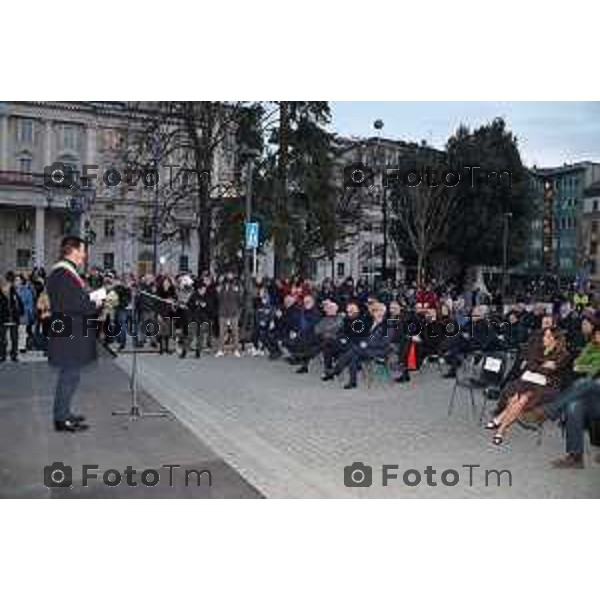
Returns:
(252,235)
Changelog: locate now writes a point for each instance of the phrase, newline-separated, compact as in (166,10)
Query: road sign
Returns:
(252,235)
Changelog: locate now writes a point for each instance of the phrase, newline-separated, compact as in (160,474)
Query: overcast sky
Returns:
(548,133)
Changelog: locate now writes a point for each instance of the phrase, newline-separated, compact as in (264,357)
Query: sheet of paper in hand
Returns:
(98,295)
(492,364)
(536,378)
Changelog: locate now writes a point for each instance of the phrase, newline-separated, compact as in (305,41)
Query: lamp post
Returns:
(507,216)
(249,155)
(378,125)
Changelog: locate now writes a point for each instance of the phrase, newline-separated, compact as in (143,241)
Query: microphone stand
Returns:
(134,411)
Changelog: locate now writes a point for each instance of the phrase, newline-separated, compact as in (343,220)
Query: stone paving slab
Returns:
(28,443)
(291,435)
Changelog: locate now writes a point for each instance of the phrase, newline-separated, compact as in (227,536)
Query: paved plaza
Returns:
(291,435)
(263,430)
(28,444)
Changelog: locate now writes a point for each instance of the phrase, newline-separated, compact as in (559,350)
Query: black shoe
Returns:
(350,386)
(302,369)
(14,358)
(327,376)
(77,418)
(569,461)
(183,354)
(70,426)
(292,360)
(198,353)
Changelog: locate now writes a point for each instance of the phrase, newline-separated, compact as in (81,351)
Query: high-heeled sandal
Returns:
(497,439)
(493,424)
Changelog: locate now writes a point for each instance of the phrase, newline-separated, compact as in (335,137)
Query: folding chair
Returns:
(500,369)
(468,377)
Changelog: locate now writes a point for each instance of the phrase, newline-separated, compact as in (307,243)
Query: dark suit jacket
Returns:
(68,297)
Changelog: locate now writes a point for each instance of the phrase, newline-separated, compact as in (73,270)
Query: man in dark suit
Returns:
(374,345)
(72,336)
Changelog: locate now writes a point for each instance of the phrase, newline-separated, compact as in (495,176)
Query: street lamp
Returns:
(507,216)
(249,156)
(378,125)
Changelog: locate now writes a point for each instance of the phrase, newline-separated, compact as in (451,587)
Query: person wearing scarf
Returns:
(72,334)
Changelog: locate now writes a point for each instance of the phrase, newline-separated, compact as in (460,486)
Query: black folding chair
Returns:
(496,379)
(468,377)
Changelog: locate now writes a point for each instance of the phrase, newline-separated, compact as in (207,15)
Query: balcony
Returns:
(77,198)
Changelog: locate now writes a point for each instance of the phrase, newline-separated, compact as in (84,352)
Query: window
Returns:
(341,269)
(593,267)
(69,137)
(593,248)
(67,225)
(23,223)
(25,132)
(109,228)
(108,260)
(595,205)
(23,258)
(184,263)
(185,235)
(111,140)
(25,164)
(147,231)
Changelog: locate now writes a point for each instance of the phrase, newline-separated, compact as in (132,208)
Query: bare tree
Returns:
(196,142)
(423,214)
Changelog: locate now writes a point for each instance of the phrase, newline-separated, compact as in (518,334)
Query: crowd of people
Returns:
(348,327)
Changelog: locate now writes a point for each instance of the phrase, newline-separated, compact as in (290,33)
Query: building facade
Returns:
(590,231)
(562,191)
(370,236)
(116,219)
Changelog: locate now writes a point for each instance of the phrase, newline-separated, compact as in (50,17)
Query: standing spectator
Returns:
(26,295)
(43,321)
(14,312)
(229,295)
(166,312)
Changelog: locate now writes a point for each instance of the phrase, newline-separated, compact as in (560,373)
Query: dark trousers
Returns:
(579,414)
(121,317)
(579,390)
(352,359)
(66,385)
(13,334)
(331,351)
